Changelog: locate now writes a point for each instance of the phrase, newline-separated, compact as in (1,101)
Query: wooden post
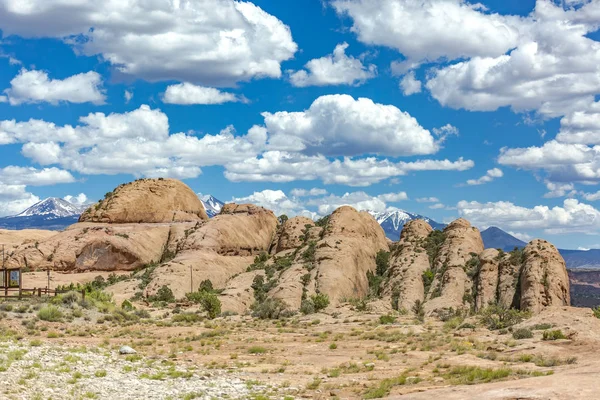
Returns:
(83,295)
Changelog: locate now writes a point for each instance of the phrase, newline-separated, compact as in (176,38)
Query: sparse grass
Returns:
(50,314)
(553,335)
(258,350)
(468,375)
(522,333)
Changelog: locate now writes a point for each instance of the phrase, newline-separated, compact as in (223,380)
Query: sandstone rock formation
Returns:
(292,233)
(12,239)
(408,264)
(544,279)
(149,201)
(467,277)
(217,249)
(453,284)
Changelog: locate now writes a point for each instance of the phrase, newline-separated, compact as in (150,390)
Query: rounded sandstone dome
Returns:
(147,200)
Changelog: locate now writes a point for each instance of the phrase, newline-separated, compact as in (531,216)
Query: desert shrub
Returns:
(419,310)
(517,256)
(186,317)
(499,317)
(541,327)
(522,333)
(307,307)
(382,261)
(126,305)
(320,300)
(309,254)
(211,304)
(49,313)
(270,309)
(387,319)
(359,304)
(70,298)
(553,335)
(322,222)
(206,286)
(6,307)
(427,277)
(596,312)
(165,294)
(433,243)
(283,219)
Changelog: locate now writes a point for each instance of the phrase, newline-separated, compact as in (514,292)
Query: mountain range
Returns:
(51,214)
(57,214)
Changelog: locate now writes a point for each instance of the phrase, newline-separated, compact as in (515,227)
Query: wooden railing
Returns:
(18,293)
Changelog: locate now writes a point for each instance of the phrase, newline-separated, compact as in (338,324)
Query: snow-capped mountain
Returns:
(53,207)
(392,222)
(211,205)
(52,213)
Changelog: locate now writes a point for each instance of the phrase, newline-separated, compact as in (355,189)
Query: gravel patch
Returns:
(45,372)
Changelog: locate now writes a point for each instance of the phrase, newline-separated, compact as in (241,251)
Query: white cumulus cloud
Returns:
(489,176)
(188,93)
(334,69)
(36,87)
(209,42)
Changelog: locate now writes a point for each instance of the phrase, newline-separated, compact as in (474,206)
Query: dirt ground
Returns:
(342,354)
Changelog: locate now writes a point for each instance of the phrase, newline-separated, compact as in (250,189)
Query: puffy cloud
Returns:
(393,197)
(137,142)
(562,162)
(410,85)
(30,176)
(308,193)
(552,69)
(428,200)
(340,125)
(210,42)
(188,93)
(128,96)
(334,69)
(14,199)
(437,206)
(581,127)
(490,175)
(277,166)
(275,200)
(36,87)
(359,200)
(80,200)
(521,236)
(592,196)
(431,29)
(559,189)
(573,216)
(14,180)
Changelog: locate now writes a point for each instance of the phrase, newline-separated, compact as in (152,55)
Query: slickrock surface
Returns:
(150,201)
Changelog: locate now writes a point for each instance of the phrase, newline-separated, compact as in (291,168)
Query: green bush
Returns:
(596,312)
(387,319)
(206,286)
(49,313)
(522,333)
(428,277)
(382,262)
(270,309)
(320,300)
(164,294)
(307,307)
(211,304)
(126,305)
(553,335)
(499,317)
(70,298)
(186,317)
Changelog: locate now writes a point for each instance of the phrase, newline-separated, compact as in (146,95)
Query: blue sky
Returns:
(440,107)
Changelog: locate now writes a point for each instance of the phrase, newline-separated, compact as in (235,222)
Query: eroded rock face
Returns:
(544,279)
(292,233)
(347,251)
(12,239)
(453,284)
(408,264)
(148,201)
(95,247)
(487,281)
(217,249)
